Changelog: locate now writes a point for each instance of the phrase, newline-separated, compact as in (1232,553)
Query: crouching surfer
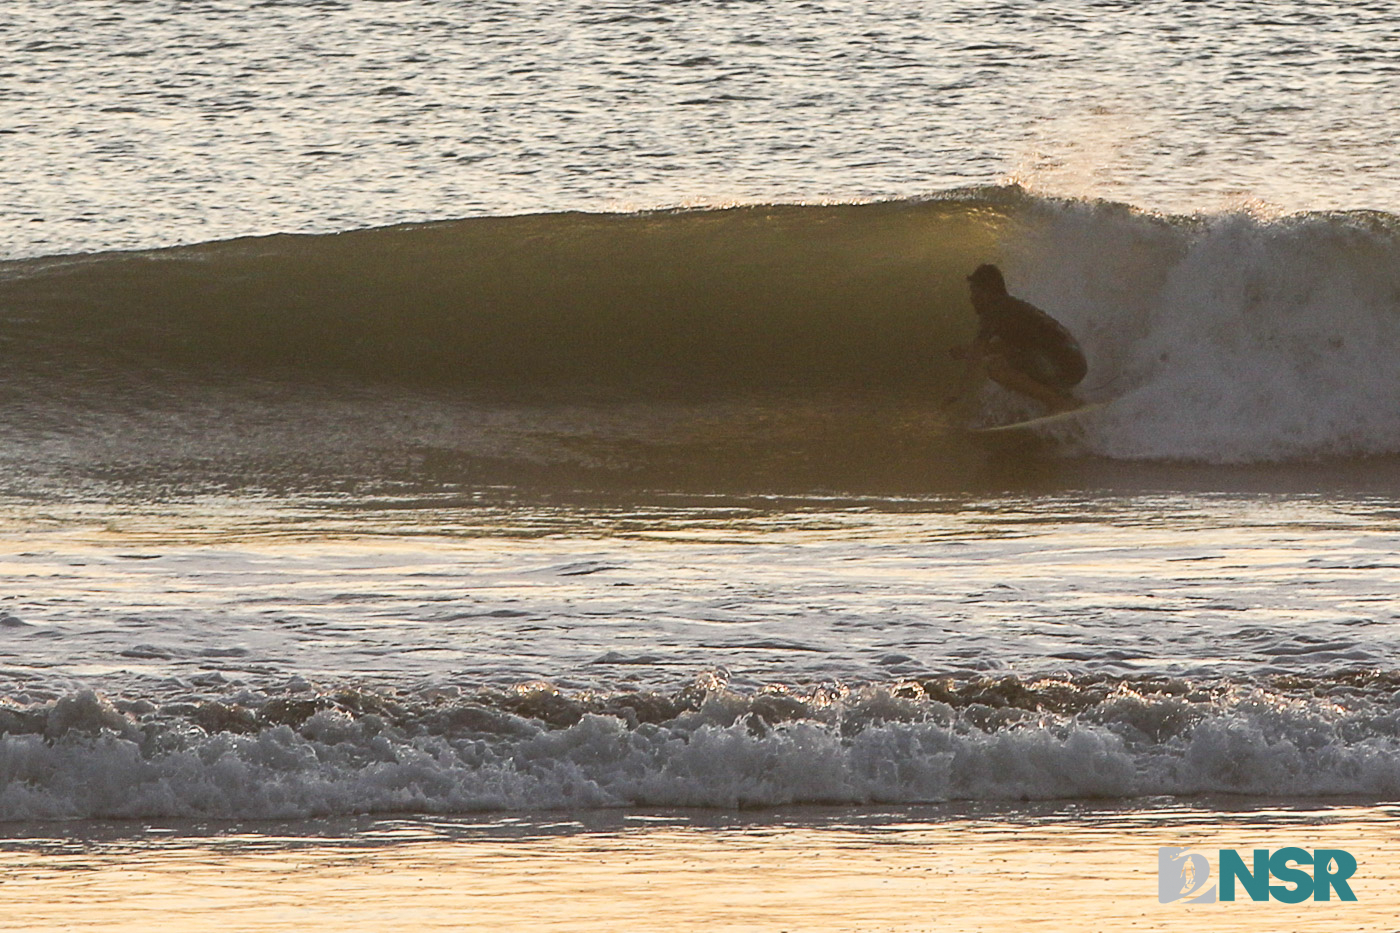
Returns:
(1020,346)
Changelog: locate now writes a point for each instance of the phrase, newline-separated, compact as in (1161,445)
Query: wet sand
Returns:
(805,869)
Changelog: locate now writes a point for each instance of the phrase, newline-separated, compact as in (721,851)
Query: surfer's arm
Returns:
(974,355)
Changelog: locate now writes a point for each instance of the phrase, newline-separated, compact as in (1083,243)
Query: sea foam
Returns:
(351,752)
(1225,339)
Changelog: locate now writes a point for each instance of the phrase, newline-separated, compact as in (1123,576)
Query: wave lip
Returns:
(352,751)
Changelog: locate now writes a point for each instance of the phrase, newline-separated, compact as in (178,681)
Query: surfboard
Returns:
(1031,424)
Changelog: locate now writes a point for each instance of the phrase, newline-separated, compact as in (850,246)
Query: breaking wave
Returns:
(350,751)
(1221,339)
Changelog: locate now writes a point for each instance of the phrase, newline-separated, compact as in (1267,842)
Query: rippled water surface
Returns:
(143,123)
(412,594)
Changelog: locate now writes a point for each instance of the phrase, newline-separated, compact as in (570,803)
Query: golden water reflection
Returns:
(1096,871)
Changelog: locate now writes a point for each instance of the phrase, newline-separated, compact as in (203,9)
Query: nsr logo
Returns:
(1182,875)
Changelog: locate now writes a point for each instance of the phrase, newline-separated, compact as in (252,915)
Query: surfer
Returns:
(1020,346)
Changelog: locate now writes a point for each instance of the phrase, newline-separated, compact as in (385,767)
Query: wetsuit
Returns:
(1032,341)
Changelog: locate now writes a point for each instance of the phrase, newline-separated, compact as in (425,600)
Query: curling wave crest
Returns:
(1220,339)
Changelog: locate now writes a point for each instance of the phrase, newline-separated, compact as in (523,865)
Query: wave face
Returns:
(1222,339)
(351,751)
(734,298)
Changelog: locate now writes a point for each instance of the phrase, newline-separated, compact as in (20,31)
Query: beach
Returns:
(809,869)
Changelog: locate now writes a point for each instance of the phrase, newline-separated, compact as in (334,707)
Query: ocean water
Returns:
(431,410)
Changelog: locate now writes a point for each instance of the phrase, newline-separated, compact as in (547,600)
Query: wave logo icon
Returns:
(1182,875)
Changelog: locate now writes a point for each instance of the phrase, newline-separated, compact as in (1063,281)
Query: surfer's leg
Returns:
(1000,370)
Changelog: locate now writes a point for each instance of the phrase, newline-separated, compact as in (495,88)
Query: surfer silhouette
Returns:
(1020,346)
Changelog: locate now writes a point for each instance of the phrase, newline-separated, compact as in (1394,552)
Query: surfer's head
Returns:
(987,278)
